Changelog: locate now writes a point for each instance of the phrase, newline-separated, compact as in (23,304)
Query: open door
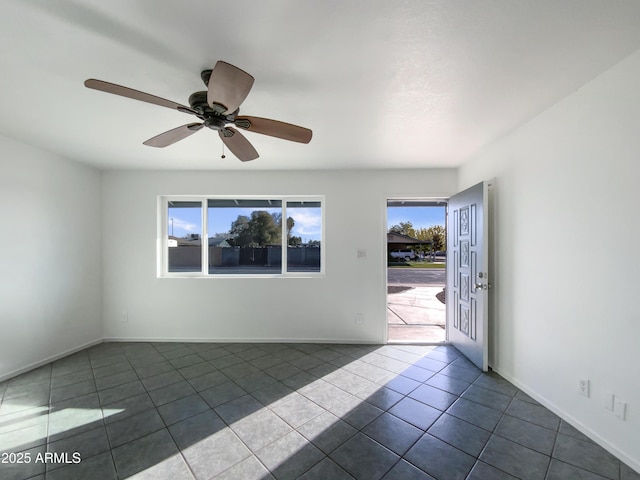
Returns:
(467,274)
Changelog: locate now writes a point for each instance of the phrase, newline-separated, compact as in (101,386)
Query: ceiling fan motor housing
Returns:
(212,117)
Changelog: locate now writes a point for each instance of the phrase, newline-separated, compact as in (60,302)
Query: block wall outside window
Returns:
(218,236)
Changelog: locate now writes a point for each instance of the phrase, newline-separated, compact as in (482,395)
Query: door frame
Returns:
(444,199)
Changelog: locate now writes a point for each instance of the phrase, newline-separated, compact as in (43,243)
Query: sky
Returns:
(420,217)
(308,226)
(187,220)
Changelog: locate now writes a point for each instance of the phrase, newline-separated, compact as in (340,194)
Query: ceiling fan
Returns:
(217,108)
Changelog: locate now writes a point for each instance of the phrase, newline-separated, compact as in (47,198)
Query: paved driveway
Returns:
(416,277)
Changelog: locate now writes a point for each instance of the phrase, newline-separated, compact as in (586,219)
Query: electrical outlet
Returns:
(620,408)
(607,400)
(583,387)
(359,318)
(125,316)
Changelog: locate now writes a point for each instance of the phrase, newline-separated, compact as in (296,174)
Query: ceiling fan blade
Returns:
(228,86)
(172,136)
(135,94)
(274,128)
(238,144)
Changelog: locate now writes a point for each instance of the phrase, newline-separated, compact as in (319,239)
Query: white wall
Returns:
(255,309)
(51,258)
(568,261)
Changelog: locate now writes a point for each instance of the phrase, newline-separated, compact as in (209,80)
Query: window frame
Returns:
(163,236)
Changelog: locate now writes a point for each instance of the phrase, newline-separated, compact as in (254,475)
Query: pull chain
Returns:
(223,156)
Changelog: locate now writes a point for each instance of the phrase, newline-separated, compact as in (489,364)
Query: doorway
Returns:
(416,270)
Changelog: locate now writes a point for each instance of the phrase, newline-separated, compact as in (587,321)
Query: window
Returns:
(217,236)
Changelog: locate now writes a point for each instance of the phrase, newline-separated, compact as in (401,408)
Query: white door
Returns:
(467,274)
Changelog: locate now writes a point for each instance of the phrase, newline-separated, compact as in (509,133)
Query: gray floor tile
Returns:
(433,396)
(74,390)
(58,381)
(215,454)
(127,407)
(488,398)
(563,471)
(272,394)
(208,380)
(393,433)
(403,470)
(403,385)
(21,471)
(484,471)
(356,412)
(144,453)
(163,395)
(627,473)
(326,395)
(187,361)
(431,364)
(326,469)
(112,369)
(192,430)
(255,381)
(239,370)
(248,469)
(519,461)
(448,384)
(381,397)
(586,455)
(475,413)
(121,392)
(297,410)
(162,380)
(364,458)
(440,459)
(260,429)
(132,428)
(196,370)
(238,409)
(182,408)
(492,381)
(290,456)
(465,436)
(173,468)
(154,368)
(417,373)
(99,466)
(221,394)
(306,401)
(415,412)
(464,374)
(527,434)
(533,414)
(127,376)
(87,444)
(327,432)
(74,416)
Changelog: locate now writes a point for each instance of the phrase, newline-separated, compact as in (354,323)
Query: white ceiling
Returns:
(382,84)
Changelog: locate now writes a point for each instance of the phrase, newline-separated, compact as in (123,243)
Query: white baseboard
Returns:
(567,417)
(242,340)
(44,361)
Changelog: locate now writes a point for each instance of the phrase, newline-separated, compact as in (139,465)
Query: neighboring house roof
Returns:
(393,237)
(218,242)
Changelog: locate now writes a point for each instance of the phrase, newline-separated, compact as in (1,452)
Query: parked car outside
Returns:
(406,255)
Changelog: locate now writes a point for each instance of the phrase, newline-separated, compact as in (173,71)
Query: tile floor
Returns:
(246,411)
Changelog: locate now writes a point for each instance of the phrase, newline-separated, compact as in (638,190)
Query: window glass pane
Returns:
(304,235)
(245,236)
(184,228)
